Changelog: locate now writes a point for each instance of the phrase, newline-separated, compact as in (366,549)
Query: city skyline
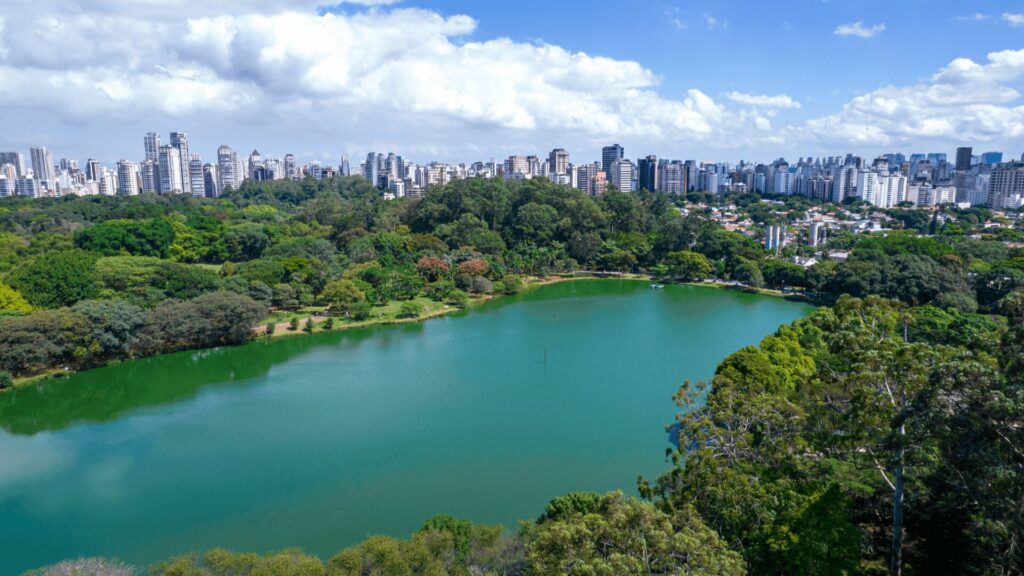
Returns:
(451,80)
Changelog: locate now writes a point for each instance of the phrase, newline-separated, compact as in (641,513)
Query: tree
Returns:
(747,272)
(688,265)
(269,330)
(625,536)
(410,309)
(57,279)
(114,326)
(137,238)
(293,324)
(432,268)
(474,267)
(245,241)
(12,301)
(308,326)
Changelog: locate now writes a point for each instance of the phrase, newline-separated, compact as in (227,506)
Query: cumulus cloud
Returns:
(859,30)
(353,78)
(965,101)
(763,100)
(397,69)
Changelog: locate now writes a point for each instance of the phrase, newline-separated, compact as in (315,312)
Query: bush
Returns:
(269,330)
(482,285)
(329,324)
(410,309)
(457,298)
(359,311)
(512,284)
(293,325)
(6,380)
(309,326)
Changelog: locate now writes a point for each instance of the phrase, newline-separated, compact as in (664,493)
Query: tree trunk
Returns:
(896,557)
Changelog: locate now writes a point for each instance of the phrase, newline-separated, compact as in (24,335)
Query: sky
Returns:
(461,81)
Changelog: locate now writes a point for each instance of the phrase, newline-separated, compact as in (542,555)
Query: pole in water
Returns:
(545,357)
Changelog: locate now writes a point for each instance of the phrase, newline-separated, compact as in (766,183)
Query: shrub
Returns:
(410,309)
(293,325)
(6,380)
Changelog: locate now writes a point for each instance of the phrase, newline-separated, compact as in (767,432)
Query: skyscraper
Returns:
(150,173)
(610,154)
(16,159)
(180,141)
(170,170)
(622,175)
(647,173)
(127,178)
(197,184)
(227,168)
(152,144)
(963,158)
(92,170)
(211,184)
(290,170)
(42,167)
(558,163)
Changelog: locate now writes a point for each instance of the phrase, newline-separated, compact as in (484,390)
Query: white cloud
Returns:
(763,100)
(859,30)
(965,101)
(410,73)
(1013,19)
(416,81)
(973,17)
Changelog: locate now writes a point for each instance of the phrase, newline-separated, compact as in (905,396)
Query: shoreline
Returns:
(529,283)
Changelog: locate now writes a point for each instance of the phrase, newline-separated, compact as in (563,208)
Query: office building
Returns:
(622,175)
(647,173)
(609,155)
(963,158)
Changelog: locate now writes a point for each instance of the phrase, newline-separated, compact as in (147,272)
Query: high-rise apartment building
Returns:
(128,178)
(16,159)
(150,174)
(180,141)
(43,168)
(211,184)
(170,170)
(151,142)
(227,168)
(558,163)
(197,184)
(1007,181)
(609,154)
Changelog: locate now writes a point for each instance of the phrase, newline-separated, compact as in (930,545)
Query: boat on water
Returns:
(657,286)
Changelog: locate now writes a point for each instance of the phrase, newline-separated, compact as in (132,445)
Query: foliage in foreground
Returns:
(580,535)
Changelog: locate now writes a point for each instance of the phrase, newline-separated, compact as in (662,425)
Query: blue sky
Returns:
(460,81)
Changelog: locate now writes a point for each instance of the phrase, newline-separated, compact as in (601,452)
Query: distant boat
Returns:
(657,286)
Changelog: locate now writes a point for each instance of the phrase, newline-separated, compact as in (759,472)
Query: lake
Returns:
(319,441)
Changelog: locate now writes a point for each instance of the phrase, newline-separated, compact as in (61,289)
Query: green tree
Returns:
(12,301)
(625,536)
(57,279)
(688,265)
(410,309)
